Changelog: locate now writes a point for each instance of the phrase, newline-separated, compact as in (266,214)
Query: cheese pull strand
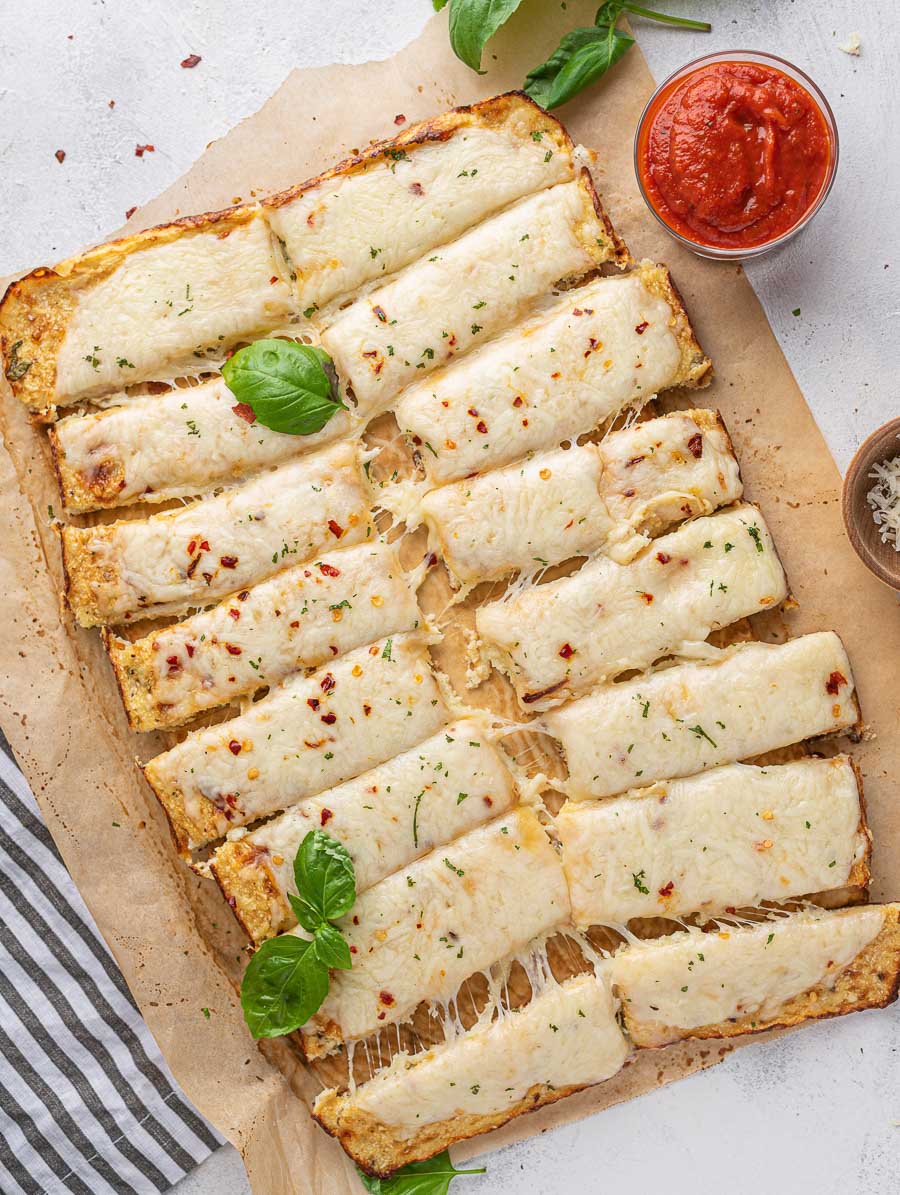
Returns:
(559,639)
(417,935)
(566,1038)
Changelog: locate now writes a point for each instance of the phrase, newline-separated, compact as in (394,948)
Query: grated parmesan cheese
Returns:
(884,499)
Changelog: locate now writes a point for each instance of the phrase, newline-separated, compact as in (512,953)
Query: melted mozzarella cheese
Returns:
(670,986)
(400,810)
(566,1037)
(567,503)
(481,283)
(195,555)
(734,836)
(560,374)
(523,517)
(418,934)
(170,445)
(299,618)
(749,699)
(353,227)
(162,305)
(557,639)
(308,734)
(656,473)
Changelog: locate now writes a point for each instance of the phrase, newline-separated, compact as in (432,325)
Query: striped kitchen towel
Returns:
(87,1104)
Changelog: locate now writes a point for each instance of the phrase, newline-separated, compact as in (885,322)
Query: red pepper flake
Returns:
(234,613)
(140,150)
(400,118)
(228,561)
(481,426)
(207,577)
(191,61)
(577,311)
(329,719)
(567,651)
(648,598)
(367,709)
(380,313)
(190,568)
(174,664)
(695,446)
(473,411)
(244,594)
(295,623)
(234,747)
(60,156)
(110,103)
(232,649)
(190,649)
(635,460)
(325,816)
(663,558)
(667,889)
(273,280)
(327,683)
(431,559)
(130,212)
(328,570)
(518,400)
(243,410)
(416,189)
(335,528)
(642,327)
(386,998)
(313,703)
(192,547)
(204,545)
(834,682)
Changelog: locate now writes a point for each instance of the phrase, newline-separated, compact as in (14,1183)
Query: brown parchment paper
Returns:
(171,933)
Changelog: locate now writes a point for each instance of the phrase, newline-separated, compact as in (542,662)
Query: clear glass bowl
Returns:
(793,72)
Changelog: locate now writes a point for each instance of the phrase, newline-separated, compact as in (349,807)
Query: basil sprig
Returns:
(418,1178)
(289,387)
(287,978)
(581,57)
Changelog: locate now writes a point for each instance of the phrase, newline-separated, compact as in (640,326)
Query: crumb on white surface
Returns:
(851,45)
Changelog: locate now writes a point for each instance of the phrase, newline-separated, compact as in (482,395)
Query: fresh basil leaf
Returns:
(283,986)
(473,23)
(418,1178)
(326,881)
(439,4)
(308,916)
(289,386)
(609,12)
(579,60)
(331,948)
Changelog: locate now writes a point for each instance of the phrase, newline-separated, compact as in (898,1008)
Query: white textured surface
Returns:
(813,1113)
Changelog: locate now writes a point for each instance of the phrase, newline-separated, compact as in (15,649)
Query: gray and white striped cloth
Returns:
(87,1104)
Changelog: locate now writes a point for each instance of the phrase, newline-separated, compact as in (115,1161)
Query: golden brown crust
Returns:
(696,368)
(132,680)
(85,573)
(614,248)
(80,492)
(35,310)
(871,980)
(496,112)
(378,1151)
(242,872)
(185,830)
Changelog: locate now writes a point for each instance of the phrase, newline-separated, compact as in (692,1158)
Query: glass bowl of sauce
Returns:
(735,153)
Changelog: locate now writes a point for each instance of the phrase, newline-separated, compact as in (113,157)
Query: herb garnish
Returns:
(287,978)
(289,387)
(418,1178)
(583,55)
(17,366)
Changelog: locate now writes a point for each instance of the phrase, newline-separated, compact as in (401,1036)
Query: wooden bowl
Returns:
(879,558)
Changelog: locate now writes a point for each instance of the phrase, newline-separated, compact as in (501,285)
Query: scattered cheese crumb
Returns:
(884,499)
(851,45)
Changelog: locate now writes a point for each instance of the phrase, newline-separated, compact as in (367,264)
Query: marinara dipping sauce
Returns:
(734,153)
